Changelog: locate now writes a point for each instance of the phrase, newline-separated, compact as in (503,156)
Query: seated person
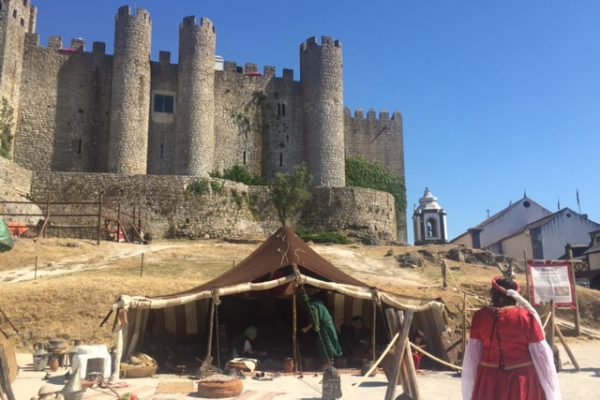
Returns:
(242,346)
(419,339)
(355,339)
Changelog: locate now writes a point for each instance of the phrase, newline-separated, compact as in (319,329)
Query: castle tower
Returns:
(323,102)
(130,101)
(194,115)
(17,18)
(429,221)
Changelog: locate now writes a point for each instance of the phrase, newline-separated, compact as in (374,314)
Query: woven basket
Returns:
(137,371)
(219,387)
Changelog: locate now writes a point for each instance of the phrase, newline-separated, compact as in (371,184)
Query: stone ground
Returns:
(584,384)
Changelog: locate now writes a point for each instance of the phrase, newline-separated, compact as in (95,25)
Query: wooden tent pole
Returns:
(294,331)
(390,393)
(374,326)
(567,348)
(210,331)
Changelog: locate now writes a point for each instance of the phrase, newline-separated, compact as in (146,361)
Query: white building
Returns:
(429,221)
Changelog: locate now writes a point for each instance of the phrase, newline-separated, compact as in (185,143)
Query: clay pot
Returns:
(288,364)
(220,386)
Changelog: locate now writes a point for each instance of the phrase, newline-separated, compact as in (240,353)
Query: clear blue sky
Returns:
(497,96)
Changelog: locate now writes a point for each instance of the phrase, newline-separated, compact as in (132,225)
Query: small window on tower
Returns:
(280,159)
(164,103)
(14,13)
(244,158)
(22,22)
(162,151)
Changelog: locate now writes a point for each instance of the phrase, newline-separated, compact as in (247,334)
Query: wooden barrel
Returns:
(220,386)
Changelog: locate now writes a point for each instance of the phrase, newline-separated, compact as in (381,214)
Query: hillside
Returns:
(77,281)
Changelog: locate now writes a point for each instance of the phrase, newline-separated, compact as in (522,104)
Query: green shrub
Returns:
(363,173)
(6,125)
(198,188)
(239,173)
(217,187)
(323,237)
(290,192)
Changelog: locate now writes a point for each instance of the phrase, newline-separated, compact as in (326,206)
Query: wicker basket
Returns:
(137,371)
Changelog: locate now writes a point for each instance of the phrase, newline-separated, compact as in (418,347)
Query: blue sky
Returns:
(497,97)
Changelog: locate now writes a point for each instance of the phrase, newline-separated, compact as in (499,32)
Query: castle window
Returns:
(164,103)
(244,156)
(14,13)
(79,145)
(281,109)
(162,151)
(281,159)
(25,3)
(22,22)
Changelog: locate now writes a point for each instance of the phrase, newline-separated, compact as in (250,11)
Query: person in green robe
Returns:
(328,346)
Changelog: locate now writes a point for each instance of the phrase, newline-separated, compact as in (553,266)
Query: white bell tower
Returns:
(429,220)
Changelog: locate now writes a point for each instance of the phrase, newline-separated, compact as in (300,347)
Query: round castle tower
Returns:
(194,118)
(130,102)
(323,102)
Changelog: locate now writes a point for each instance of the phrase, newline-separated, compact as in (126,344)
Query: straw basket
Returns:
(137,371)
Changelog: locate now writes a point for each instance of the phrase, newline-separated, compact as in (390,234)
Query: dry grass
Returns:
(71,305)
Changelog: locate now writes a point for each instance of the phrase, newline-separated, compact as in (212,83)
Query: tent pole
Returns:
(294,329)
(210,332)
(374,325)
(217,302)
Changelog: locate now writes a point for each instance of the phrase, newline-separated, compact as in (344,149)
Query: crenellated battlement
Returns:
(384,115)
(326,41)
(252,69)
(126,12)
(189,22)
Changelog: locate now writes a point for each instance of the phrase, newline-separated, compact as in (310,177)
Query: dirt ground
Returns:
(76,282)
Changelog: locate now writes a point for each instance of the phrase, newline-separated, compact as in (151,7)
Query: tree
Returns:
(290,192)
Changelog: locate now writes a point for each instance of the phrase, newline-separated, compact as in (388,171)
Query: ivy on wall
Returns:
(6,126)
(363,173)
(239,173)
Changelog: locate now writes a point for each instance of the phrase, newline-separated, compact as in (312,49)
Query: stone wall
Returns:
(14,180)
(222,209)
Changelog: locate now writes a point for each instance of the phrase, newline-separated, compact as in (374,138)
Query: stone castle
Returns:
(85,111)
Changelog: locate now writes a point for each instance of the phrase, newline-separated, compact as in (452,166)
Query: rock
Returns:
(429,255)
(410,260)
(389,253)
(456,255)
(486,257)
(206,236)
(72,244)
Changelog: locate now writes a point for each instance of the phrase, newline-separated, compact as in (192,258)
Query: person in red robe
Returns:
(507,356)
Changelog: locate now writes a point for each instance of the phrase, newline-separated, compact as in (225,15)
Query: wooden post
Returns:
(142,266)
(444,273)
(99,219)
(550,337)
(118,222)
(526,274)
(373,332)
(390,393)
(36,267)
(294,331)
(47,215)
(208,358)
(567,348)
(464,325)
(4,379)
(576,311)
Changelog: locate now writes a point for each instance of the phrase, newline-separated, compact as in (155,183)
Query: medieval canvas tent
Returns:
(260,289)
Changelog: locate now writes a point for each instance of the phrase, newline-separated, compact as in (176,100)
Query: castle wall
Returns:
(258,120)
(14,179)
(377,139)
(63,123)
(161,136)
(227,210)
(130,107)
(17,17)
